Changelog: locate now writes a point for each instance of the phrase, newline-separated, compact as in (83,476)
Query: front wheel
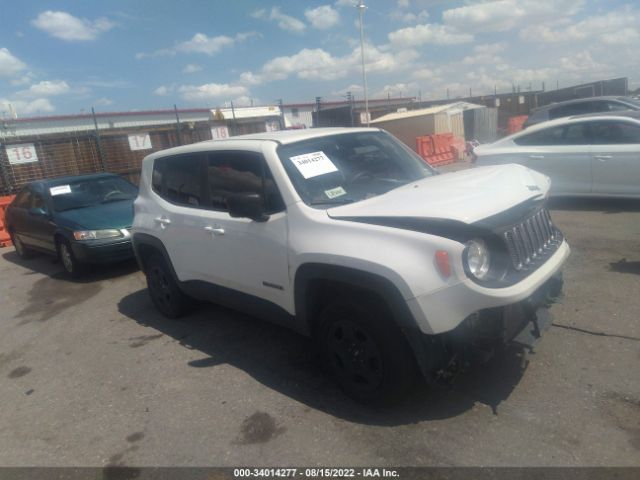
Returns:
(163,289)
(366,351)
(69,262)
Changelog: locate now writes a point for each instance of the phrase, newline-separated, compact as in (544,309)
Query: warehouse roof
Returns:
(449,108)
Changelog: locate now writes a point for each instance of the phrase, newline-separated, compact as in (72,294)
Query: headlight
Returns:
(96,234)
(478,258)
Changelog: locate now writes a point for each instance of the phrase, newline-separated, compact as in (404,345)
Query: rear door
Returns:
(19,216)
(177,216)
(41,226)
(561,152)
(616,157)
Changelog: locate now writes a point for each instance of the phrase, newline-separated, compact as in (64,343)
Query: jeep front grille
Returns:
(532,241)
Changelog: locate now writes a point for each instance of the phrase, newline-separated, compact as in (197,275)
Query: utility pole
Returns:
(361,8)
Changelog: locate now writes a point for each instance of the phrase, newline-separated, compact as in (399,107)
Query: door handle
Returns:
(217,230)
(602,158)
(163,221)
(536,156)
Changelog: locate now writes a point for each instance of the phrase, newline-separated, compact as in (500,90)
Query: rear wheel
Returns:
(22,251)
(366,352)
(163,289)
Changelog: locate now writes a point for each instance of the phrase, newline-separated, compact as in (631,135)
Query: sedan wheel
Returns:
(69,262)
(22,251)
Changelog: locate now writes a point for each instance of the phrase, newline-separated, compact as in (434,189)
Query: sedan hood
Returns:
(467,196)
(98,217)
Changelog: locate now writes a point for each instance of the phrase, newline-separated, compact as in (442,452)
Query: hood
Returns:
(467,196)
(98,217)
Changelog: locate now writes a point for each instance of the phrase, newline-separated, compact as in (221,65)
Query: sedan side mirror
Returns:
(247,205)
(37,212)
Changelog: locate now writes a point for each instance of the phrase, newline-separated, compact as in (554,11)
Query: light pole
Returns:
(361,8)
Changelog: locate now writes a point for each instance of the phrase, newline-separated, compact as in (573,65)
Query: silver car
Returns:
(586,155)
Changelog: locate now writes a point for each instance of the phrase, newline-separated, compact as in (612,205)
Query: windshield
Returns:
(632,101)
(89,192)
(346,168)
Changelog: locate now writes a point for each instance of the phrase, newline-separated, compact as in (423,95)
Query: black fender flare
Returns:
(378,285)
(140,240)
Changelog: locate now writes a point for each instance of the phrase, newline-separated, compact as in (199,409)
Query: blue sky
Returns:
(65,56)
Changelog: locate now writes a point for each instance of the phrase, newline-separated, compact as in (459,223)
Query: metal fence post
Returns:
(179,139)
(98,142)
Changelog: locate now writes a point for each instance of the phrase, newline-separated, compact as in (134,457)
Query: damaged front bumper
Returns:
(481,334)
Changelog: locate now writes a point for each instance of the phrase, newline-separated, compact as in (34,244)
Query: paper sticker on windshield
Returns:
(335,192)
(313,164)
(60,190)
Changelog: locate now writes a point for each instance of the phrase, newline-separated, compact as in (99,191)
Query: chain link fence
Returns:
(28,157)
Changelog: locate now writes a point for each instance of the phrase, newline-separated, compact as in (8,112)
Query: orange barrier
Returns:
(437,149)
(5,239)
(515,123)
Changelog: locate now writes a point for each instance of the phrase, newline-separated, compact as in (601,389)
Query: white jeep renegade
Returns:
(348,236)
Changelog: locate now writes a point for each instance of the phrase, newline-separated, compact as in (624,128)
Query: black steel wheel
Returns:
(366,352)
(163,289)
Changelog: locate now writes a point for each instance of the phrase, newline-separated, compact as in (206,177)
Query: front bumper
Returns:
(444,310)
(103,251)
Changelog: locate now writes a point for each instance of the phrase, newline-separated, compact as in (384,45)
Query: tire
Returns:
(23,252)
(366,352)
(70,263)
(163,289)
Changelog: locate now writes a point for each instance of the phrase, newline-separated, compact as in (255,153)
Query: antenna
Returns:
(361,8)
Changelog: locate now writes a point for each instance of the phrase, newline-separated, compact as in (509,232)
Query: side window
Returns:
(617,107)
(182,179)
(548,136)
(23,200)
(571,109)
(37,201)
(156,176)
(576,134)
(231,173)
(615,133)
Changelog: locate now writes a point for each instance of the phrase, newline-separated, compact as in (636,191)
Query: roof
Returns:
(626,113)
(450,107)
(247,112)
(579,100)
(283,137)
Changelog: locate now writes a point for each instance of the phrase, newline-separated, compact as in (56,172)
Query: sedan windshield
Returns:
(83,193)
(346,168)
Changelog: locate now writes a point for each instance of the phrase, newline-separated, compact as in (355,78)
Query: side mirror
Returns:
(247,205)
(37,212)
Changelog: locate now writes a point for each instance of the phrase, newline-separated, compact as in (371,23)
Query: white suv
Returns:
(348,236)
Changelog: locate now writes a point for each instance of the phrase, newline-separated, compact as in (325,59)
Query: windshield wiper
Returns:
(76,207)
(116,200)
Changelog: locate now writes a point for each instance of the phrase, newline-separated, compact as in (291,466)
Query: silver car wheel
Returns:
(67,260)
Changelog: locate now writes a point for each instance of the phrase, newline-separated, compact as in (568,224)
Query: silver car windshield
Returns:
(346,168)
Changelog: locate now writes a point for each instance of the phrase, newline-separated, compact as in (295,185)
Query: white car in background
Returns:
(586,155)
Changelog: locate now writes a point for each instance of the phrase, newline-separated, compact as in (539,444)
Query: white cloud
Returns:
(346,3)
(163,91)
(410,17)
(210,91)
(200,43)
(192,68)
(65,26)
(428,33)
(423,74)
(501,15)
(614,28)
(398,89)
(322,17)
(285,22)
(27,107)
(46,88)
(10,66)
(403,3)
(353,88)
(319,65)
(103,102)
